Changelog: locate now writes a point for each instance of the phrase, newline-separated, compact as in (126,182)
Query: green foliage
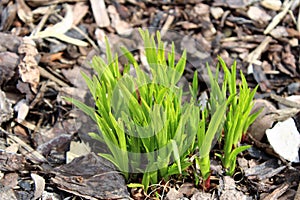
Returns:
(146,126)
(238,117)
(142,119)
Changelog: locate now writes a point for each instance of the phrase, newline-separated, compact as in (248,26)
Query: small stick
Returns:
(48,75)
(285,102)
(278,17)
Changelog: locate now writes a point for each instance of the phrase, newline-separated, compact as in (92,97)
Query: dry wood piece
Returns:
(264,170)
(285,101)
(100,13)
(11,161)
(278,192)
(167,24)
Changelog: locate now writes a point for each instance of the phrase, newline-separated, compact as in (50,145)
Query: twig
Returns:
(82,33)
(167,24)
(284,101)
(39,27)
(278,17)
(48,75)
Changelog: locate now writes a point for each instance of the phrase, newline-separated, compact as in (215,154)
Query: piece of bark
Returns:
(278,192)
(9,42)
(265,170)
(11,161)
(91,177)
(228,190)
(8,16)
(8,64)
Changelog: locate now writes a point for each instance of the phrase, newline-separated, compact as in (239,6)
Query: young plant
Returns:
(142,119)
(211,125)
(146,126)
(238,117)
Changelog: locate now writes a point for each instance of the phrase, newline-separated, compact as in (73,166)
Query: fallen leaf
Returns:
(24,12)
(64,25)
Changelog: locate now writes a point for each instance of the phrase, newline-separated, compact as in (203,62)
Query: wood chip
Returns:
(271,4)
(6,111)
(279,32)
(278,192)
(100,13)
(25,149)
(80,9)
(216,12)
(258,14)
(39,185)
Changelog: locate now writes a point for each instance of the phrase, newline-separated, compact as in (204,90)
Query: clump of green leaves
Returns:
(142,118)
(238,117)
(147,127)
